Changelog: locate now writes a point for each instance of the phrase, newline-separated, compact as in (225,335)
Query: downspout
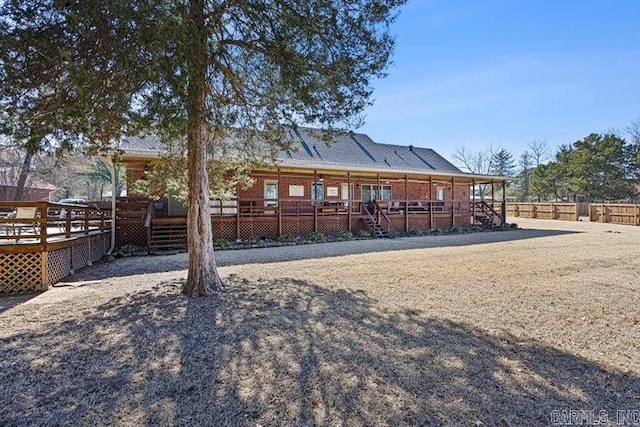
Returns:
(113,200)
(113,207)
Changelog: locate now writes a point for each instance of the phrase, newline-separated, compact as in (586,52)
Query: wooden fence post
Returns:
(603,215)
(534,214)
(575,205)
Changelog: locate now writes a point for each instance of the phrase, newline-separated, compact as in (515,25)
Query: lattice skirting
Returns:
(419,222)
(37,270)
(264,228)
(20,272)
(58,265)
(442,222)
(297,226)
(224,228)
(332,226)
(397,223)
(131,234)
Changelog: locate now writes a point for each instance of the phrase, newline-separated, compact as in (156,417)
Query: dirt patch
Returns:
(499,328)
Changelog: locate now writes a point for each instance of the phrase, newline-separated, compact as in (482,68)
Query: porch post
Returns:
(406,204)
(279,207)
(453,204)
(473,190)
(314,200)
(473,201)
(42,223)
(504,202)
(349,197)
(378,192)
(430,203)
(237,212)
(492,195)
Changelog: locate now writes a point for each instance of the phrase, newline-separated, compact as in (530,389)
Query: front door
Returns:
(271,193)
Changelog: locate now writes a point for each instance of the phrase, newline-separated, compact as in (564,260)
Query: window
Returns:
(441,193)
(317,191)
(371,192)
(346,193)
(271,193)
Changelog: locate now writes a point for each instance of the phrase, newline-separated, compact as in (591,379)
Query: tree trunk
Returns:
(203,278)
(22,180)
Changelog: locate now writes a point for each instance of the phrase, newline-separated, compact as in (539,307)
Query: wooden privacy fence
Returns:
(562,211)
(613,213)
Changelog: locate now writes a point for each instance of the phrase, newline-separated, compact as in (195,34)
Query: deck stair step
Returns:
(376,229)
(168,236)
(483,219)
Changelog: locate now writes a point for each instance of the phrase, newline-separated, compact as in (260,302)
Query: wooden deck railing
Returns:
(42,222)
(305,207)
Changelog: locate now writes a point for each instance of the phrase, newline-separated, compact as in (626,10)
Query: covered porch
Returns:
(295,202)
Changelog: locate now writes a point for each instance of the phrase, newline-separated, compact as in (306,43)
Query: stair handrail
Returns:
(148,214)
(369,215)
(147,223)
(384,215)
(484,207)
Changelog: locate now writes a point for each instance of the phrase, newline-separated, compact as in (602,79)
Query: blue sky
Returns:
(506,72)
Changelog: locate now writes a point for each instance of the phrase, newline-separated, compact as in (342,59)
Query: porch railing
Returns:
(41,222)
(296,207)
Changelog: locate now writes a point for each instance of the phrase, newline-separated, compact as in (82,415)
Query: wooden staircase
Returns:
(168,236)
(485,216)
(377,229)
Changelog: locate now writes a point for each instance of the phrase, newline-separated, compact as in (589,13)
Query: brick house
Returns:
(352,183)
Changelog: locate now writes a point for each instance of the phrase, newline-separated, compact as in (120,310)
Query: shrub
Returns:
(287,238)
(434,231)
(394,234)
(127,250)
(222,244)
(345,235)
(255,241)
(365,234)
(415,232)
(316,236)
(456,230)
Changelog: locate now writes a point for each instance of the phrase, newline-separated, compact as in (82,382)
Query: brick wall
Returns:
(415,190)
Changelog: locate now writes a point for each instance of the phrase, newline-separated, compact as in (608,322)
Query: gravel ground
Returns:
(482,329)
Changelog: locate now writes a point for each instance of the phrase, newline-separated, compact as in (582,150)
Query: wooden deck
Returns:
(55,241)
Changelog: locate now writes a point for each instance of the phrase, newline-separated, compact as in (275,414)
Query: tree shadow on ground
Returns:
(8,301)
(287,352)
(167,263)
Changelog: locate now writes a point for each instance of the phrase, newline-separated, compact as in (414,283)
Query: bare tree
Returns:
(634,131)
(477,162)
(539,151)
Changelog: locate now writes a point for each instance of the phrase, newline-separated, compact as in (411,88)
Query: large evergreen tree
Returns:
(502,163)
(198,71)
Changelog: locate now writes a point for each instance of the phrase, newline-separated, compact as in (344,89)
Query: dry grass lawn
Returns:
(485,329)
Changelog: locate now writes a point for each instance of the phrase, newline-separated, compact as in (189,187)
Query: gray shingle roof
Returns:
(313,147)
(358,149)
